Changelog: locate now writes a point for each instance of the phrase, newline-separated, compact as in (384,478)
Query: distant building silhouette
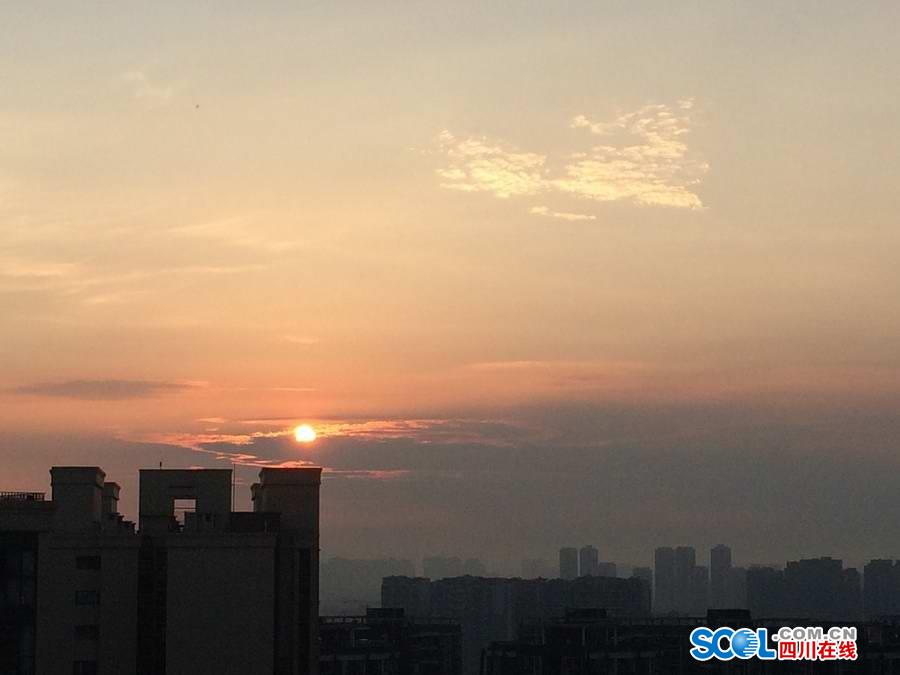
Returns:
(766,592)
(685,562)
(720,577)
(699,591)
(386,642)
(533,568)
(606,569)
(881,588)
(588,557)
(349,586)
(821,588)
(664,580)
(588,642)
(491,608)
(437,567)
(737,588)
(211,591)
(645,574)
(568,563)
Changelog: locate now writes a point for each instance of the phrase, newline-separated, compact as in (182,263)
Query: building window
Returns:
(88,562)
(84,668)
(87,597)
(182,508)
(87,632)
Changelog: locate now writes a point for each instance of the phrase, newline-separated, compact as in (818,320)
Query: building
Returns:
(699,591)
(821,588)
(588,559)
(720,577)
(195,588)
(685,578)
(386,642)
(737,588)
(535,568)
(645,574)
(349,586)
(664,580)
(568,563)
(588,642)
(881,588)
(766,592)
(492,608)
(606,569)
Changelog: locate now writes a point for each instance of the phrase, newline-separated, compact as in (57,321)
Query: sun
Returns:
(304,434)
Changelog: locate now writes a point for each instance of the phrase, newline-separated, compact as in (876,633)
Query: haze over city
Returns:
(533,274)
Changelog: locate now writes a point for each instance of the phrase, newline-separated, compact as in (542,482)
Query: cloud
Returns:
(102,390)
(650,165)
(143,88)
(657,468)
(562,215)
(476,165)
(640,157)
(237,232)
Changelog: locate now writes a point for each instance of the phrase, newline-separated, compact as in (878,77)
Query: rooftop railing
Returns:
(22,496)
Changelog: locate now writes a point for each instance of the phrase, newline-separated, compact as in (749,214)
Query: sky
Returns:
(538,273)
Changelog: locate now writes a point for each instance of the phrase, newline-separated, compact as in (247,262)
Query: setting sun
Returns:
(304,434)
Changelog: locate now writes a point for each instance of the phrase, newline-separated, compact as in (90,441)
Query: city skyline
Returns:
(534,276)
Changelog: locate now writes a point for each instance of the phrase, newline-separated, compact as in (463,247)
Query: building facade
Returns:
(387,642)
(568,563)
(205,589)
(492,608)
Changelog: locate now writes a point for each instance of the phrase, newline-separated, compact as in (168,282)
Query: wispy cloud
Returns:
(562,215)
(478,165)
(145,88)
(237,232)
(640,157)
(103,390)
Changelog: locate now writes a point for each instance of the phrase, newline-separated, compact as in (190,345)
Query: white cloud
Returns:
(475,165)
(562,215)
(144,88)
(643,158)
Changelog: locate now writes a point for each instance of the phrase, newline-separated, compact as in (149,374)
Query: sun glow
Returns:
(304,434)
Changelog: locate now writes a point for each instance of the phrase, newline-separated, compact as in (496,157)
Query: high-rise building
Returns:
(821,588)
(645,574)
(766,592)
(606,569)
(719,577)
(491,608)
(737,588)
(198,588)
(699,591)
(881,588)
(568,563)
(664,580)
(685,562)
(588,557)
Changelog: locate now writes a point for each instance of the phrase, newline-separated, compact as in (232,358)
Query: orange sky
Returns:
(224,221)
